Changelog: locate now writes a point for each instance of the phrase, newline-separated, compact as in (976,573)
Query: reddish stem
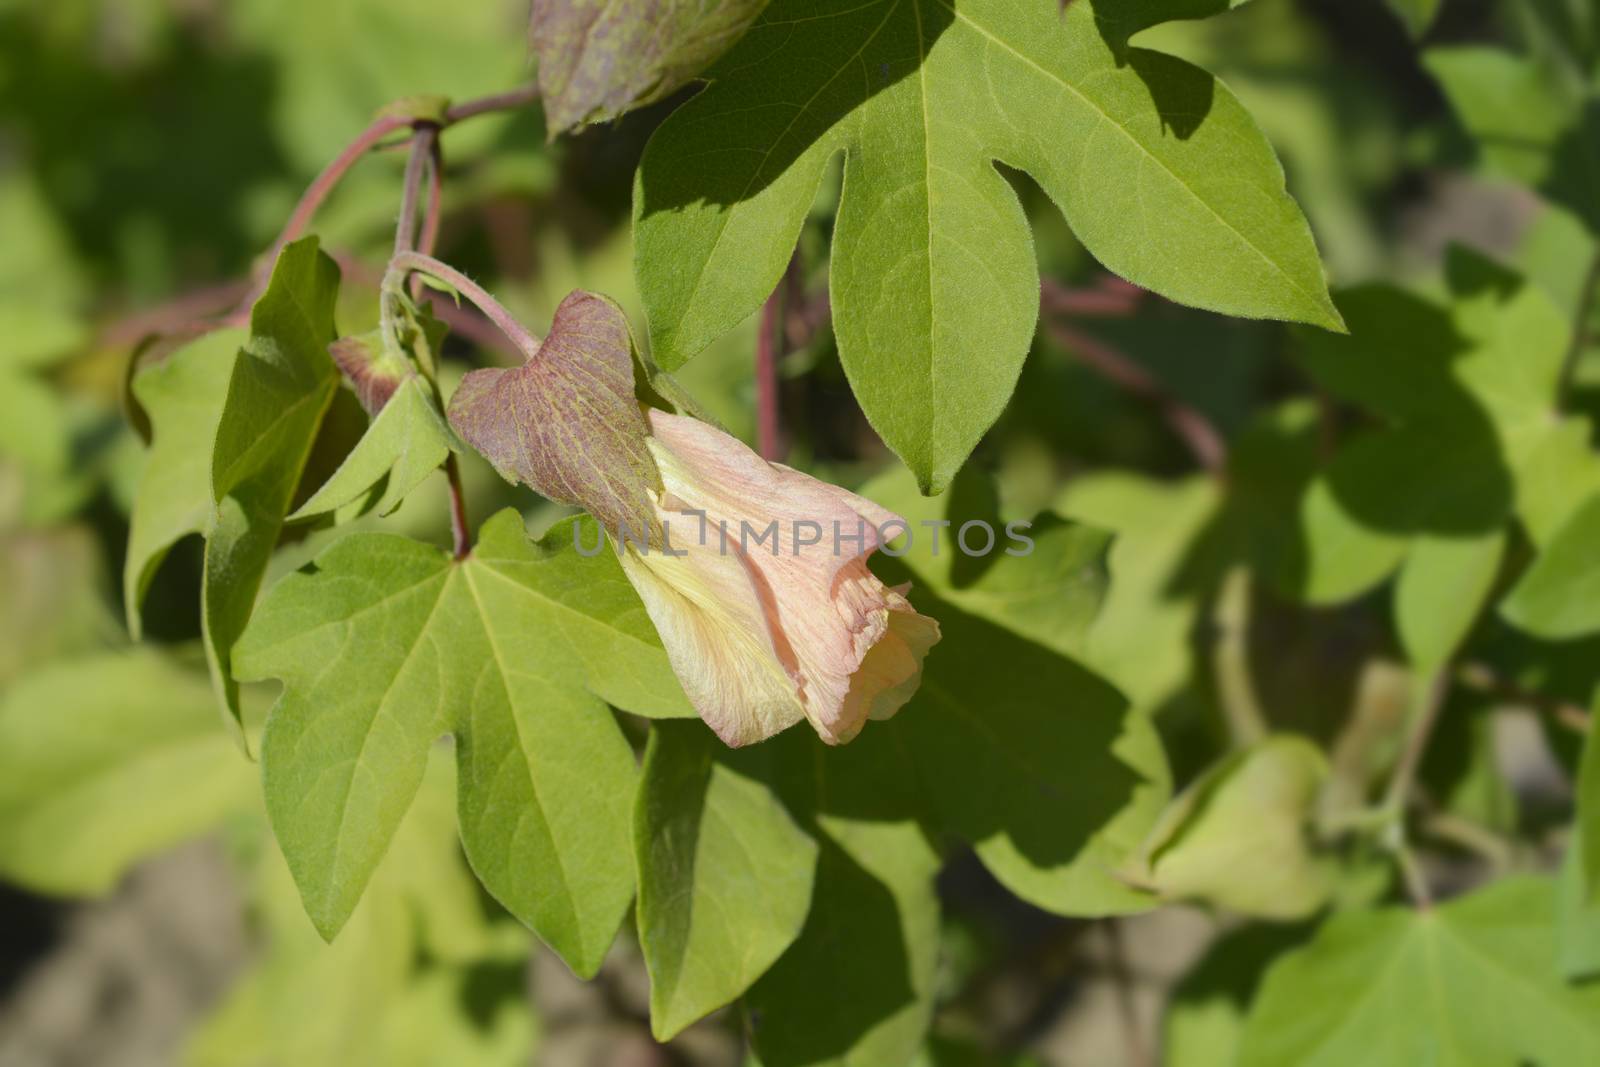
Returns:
(406,262)
(1188,422)
(328,180)
(768,432)
(507,101)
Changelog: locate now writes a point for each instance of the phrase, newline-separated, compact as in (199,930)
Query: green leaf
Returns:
(1142,637)
(1043,579)
(183,395)
(1578,916)
(1528,122)
(1418,15)
(1041,766)
(421,975)
(1558,598)
(1466,389)
(857,987)
(1159,170)
(1442,588)
(1470,983)
(724,876)
(408,441)
(600,58)
(104,761)
(1205,1017)
(52,598)
(567,422)
(386,643)
(283,381)
(1580,873)
(1238,837)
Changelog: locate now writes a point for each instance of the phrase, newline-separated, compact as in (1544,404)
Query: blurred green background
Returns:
(149,152)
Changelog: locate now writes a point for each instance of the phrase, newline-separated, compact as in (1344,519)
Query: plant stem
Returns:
(1397,796)
(1481,677)
(507,101)
(768,430)
(405,262)
(426,157)
(1580,329)
(370,138)
(329,179)
(460,530)
(1187,422)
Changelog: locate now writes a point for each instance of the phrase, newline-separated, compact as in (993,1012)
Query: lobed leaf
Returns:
(1159,170)
(1471,982)
(387,643)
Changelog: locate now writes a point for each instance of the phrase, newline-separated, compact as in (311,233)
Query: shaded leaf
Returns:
(725,876)
(282,383)
(1466,390)
(1043,579)
(183,395)
(857,987)
(1042,766)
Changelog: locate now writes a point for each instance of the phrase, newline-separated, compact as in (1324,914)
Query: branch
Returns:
(1188,422)
(406,262)
(1482,677)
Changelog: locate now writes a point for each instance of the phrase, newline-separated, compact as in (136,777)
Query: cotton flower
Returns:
(761,593)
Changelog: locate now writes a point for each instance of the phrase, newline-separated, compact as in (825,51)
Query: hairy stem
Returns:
(406,262)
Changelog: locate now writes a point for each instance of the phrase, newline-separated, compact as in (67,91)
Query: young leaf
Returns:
(105,761)
(724,876)
(387,643)
(566,422)
(407,441)
(601,58)
(283,381)
(1238,837)
(1471,982)
(183,395)
(1559,596)
(1159,170)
